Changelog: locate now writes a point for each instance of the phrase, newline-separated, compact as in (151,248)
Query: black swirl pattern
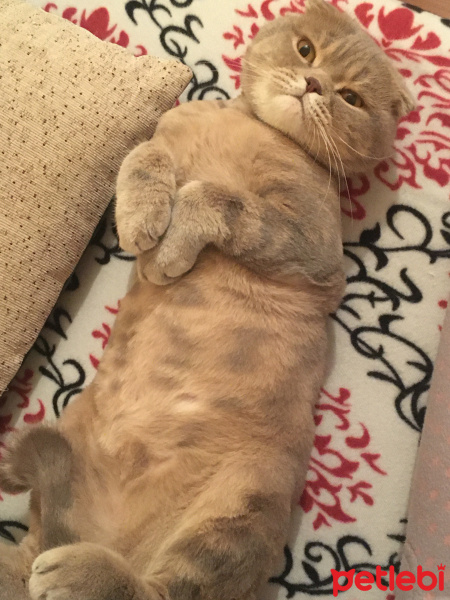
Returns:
(369,290)
(176,40)
(318,560)
(12,530)
(105,238)
(69,376)
(445,22)
(412,7)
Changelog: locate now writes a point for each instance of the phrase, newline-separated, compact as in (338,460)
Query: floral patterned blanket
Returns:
(385,334)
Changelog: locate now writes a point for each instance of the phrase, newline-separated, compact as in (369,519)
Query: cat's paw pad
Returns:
(142,225)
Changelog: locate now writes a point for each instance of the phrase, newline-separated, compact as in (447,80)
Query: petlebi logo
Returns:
(388,580)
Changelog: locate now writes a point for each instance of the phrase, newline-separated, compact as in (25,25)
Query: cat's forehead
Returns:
(352,58)
(341,46)
(340,37)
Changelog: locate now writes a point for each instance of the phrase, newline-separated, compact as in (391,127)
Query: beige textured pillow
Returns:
(71,108)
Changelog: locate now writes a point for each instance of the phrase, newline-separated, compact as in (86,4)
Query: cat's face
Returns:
(320,79)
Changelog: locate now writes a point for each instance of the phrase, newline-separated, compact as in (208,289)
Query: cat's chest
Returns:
(225,147)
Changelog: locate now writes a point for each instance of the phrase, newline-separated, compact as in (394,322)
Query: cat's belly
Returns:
(194,373)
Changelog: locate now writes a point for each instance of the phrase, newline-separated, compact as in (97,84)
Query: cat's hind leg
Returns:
(15,568)
(225,548)
(85,571)
(40,459)
(230,539)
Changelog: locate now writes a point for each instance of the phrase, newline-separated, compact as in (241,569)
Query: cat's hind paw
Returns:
(80,571)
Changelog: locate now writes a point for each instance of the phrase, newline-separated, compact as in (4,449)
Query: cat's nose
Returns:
(313,85)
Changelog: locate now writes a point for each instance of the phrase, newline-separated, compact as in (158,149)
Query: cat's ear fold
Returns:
(403,100)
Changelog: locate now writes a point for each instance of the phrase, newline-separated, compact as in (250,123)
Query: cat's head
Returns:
(321,79)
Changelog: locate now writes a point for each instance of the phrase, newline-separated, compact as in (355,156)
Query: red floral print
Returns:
(333,482)
(17,396)
(97,22)
(103,334)
(398,24)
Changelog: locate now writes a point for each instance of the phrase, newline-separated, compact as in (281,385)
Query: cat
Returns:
(175,472)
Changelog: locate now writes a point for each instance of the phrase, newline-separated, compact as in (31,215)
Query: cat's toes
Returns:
(149,270)
(64,573)
(47,581)
(174,260)
(168,262)
(141,227)
(81,571)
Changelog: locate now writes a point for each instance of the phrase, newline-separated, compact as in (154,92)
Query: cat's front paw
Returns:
(193,225)
(141,222)
(80,571)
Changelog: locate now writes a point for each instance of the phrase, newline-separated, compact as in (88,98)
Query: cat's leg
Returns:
(232,537)
(15,569)
(225,547)
(144,196)
(86,571)
(267,233)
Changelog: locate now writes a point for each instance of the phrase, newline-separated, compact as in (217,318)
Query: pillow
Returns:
(71,108)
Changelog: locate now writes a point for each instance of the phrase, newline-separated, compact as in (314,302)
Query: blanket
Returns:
(385,334)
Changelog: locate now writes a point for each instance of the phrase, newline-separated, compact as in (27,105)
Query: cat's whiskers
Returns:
(311,136)
(338,155)
(320,113)
(322,134)
(319,123)
(262,75)
(334,132)
(331,148)
(317,116)
(360,153)
(286,80)
(344,176)
(319,139)
(310,141)
(323,119)
(267,76)
(313,141)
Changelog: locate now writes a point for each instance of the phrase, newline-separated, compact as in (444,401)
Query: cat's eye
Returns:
(351,98)
(306,49)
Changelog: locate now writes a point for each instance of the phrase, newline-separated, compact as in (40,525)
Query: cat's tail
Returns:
(41,459)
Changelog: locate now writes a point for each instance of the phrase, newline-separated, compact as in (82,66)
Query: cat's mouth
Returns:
(302,100)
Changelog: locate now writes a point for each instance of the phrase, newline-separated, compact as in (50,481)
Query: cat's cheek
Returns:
(283,112)
(293,120)
(262,95)
(290,109)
